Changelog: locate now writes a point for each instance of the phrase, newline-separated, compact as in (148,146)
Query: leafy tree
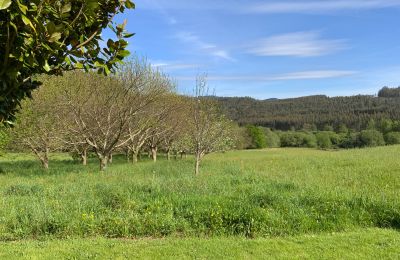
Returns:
(342,129)
(392,138)
(371,138)
(371,125)
(257,136)
(4,138)
(272,139)
(324,140)
(385,126)
(328,128)
(43,36)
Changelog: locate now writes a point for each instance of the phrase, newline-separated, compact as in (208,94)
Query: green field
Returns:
(277,202)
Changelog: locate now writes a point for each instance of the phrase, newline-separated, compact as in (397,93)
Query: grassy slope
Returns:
(367,244)
(258,194)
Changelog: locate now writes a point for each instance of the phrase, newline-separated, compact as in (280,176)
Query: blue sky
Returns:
(272,48)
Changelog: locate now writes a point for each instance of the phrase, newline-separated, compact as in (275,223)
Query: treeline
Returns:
(389,92)
(135,111)
(313,112)
(385,132)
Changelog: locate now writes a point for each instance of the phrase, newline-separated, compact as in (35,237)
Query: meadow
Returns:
(265,201)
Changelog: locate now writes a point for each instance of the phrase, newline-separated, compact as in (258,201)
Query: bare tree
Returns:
(99,109)
(102,108)
(38,127)
(209,128)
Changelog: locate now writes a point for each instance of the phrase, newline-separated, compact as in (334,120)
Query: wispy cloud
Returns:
(303,75)
(299,44)
(320,6)
(208,48)
(166,65)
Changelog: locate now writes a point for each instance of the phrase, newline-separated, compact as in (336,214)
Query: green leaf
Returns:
(27,21)
(22,7)
(4,4)
(129,4)
(46,67)
(79,65)
(51,28)
(66,8)
(128,35)
(55,37)
(124,53)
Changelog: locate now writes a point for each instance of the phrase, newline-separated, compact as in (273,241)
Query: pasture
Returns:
(345,203)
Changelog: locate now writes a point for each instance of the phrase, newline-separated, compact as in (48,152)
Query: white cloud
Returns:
(303,75)
(320,6)
(208,48)
(174,65)
(299,44)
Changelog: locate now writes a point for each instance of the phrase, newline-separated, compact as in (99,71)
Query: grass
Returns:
(367,244)
(276,197)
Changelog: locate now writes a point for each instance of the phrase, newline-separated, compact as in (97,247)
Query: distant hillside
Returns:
(283,114)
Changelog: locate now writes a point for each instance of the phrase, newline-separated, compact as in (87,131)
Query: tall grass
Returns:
(264,193)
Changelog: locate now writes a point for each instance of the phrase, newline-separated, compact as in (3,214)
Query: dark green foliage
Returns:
(349,140)
(328,128)
(392,138)
(54,36)
(385,126)
(371,138)
(389,92)
(342,129)
(302,113)
(258,139)
(4,138)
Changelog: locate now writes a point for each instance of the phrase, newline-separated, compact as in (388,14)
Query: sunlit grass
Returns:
(253,194)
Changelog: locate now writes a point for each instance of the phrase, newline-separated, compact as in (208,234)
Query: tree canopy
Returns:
(52,36)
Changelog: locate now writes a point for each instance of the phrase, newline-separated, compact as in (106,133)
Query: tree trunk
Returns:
(197,164)
(45,160)
(84,157)
(154,153)
(103,162)
(110,158)
(168,155)
(134,157)
(45,164)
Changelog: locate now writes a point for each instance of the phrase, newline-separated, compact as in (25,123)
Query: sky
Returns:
(271,48)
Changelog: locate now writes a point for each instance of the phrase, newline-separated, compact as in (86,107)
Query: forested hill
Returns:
(311,111)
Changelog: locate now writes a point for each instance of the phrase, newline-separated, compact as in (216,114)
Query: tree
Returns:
(152,87)
(4,138)
(392,138)
(257,136)
(43,36)
(98,109)
(38,127)
(324,140)
(209,128)
(371,138)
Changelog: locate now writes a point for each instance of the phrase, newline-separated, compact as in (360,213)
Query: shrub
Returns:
(272,138)
(392,138)
(371,138)
(324,140)
(257,136)
(349,140)
(298,139)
